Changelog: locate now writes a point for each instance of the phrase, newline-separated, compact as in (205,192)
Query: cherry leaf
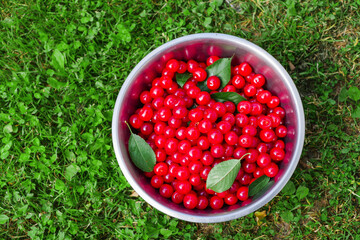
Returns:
(222,69)
(256,186)
(228,96)
(223,175)
(141,154)
(181,78)
(264,190)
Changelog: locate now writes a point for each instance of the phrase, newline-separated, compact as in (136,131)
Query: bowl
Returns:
(199,47)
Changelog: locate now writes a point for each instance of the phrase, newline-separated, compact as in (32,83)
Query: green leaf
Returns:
(59,185)
(222,69)
(356,112)
(289,188)
(58,59)
(165,232)
(263,190)
(343,95)
(223,175)
(182,78)
(3,219)
(287,216)
(55,83)
(141,153)
(228,96)
(302,192)
(71,171)
(203,86)
(258,185)
(354,93)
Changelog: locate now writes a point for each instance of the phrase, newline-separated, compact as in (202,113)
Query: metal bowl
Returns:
(199,47)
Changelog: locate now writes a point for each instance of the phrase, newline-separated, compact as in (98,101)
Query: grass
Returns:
(62,65)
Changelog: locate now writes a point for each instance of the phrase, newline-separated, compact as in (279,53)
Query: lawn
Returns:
(62,64)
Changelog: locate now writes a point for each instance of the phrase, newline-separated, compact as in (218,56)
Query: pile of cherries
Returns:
(190,132)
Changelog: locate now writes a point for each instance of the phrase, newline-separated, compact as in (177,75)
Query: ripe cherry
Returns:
(216,202)
(213,83)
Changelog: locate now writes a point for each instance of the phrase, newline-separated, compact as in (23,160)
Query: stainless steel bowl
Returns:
(199,47)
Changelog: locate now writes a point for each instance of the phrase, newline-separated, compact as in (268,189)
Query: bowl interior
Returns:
(199,47)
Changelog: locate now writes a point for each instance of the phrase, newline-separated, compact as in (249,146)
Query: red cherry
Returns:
(256,109)
(211,115)
(203,202)
(194,154)
(207,159)
(273,102)
(219,108)
(183,187)
(264,122)
(258,80)
(195,180)
(203,143)
(205,172)
(245,141)
(281,131)
(277,154)
(210,60)
(279,144)
(177,197)
(242,193)
(156,92)
(192,133)
(250,90)
(205,126)
(190,201)
(213,83)
(182,173)
(145,97)
(156,181)
(217,150)
(263,160)
(192,65)
(199,74)
(244,107)
(238,81)
(215,136)
(230,199)
(263,97)
(203,98)
(267,135)
(271,170)
(216,202)
(249,130)
(135,121)
(166,190)
(196,115)
(173,65)
(182,67)
(244,69)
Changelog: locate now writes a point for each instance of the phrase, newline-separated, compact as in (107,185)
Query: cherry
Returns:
(179,112)
(224,127)
(216,202)
(173,65)
(244,69)
(146,113)
(279,111)
(166,190)
(195,115)
(249,167)
(230,199)
(145,97)
(203,98)
(273,102)
(256,109)
(219,108)
(238,81)
(210,60)
(277,154)
(231,138)
(207,159)
(245,141)
(164,114)
(217,150)
(194,154)
(174,122)
(250,90)
(181,133)
(205,172)
(258,80)
(244,107)
(199,74)
(229,88)
(243,193)
(156,92)
(215,136)
(281,131)
(267,135)
(263,97)
(183,187)
(171,145)
(177,197)
(203,143)
(192,65)
(192,133)
(182,173)
(249,130)
(184,146)
(279,144)
(156,181)
(160,155)
(213,83)
(190,201)
(263,160)
(264,122)
(182,67)
(195,180)
(211,115)
(135,121)
(271,170)
(203,202)
(205,126)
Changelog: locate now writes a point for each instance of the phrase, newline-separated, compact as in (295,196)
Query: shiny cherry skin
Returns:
(243,193)
(190,201)
(216,202)
(166,190)
(271,170)
(213,83)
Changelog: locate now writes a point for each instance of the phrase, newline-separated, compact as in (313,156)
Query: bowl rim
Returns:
(258,203)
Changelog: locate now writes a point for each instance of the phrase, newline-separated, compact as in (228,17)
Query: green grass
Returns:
(62,64)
